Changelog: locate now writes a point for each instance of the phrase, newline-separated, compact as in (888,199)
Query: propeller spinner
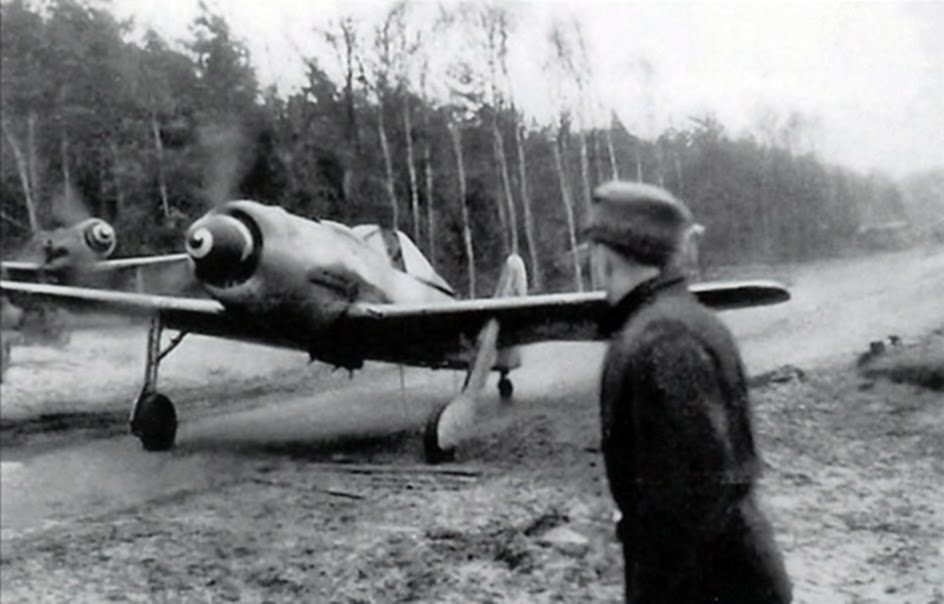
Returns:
(224,249)
(100,237)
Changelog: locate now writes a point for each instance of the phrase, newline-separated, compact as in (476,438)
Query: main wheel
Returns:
(434,453)
(155,422)
(505,387)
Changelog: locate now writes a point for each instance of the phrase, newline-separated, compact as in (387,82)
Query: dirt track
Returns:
(242,511)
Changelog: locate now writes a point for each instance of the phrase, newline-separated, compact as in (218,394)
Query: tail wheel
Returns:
(433,452)
(155,422)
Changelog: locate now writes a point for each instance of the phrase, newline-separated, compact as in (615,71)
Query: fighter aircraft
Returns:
(77,254)
(345,296)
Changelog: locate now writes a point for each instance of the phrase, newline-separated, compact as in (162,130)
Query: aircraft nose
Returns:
(101,238)
(221,247)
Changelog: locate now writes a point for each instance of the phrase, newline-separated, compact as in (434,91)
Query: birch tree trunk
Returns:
(597,154)
(466,228)
(31,157)
(614,167)
(679,183)
(536,275)
(350,40)
(569,210)
(66,176)
(100,201)
(116,177)
(388,167)
(660,164)
(414,192)
(159,149)
(430,214)
(584,169)
(506,186)
(763,213)
(500,206)
(23,170)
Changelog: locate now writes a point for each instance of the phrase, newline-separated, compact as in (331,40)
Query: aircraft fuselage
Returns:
(293,275)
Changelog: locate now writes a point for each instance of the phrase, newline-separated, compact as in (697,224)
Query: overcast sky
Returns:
(869,75)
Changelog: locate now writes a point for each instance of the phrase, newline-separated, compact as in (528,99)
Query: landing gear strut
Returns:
(449,424)
(153,418)
(452,423)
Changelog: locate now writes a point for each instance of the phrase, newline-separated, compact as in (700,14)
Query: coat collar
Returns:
(640,296)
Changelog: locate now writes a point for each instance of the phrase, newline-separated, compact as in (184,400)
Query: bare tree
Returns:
(517,128)
(345,45)
(159,154)
(66,175)
(376,79)
(456,135)
(388,169)
(611,152)
(536,273)
(644,72)
(23,170)
(428,164)
(573,61)
(407,45)
(637,150)
(597,155)
(488,27)
(562,69)
(116,175)
(33,159)
(567,199)
(411,168)
(465,90)
(495,22)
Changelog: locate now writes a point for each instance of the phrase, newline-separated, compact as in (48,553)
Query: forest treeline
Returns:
(150,134)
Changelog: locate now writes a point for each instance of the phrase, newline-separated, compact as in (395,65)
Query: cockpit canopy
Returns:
(414,262)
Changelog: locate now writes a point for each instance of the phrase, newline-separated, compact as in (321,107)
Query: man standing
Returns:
(677,437)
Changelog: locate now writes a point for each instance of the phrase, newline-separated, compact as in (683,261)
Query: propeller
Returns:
(68,207)
(227,153)
(224,249)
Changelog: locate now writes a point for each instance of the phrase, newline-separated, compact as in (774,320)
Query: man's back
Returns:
(680,455)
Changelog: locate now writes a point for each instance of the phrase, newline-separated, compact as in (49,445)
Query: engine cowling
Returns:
(99,236)
(225,248)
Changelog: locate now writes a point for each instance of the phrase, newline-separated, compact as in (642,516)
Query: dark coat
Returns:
(680,455)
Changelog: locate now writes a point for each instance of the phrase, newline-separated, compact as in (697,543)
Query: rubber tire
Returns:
(155,422)
(432,451)
(505,388)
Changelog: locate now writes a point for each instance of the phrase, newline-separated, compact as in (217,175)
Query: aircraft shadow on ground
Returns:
(353,447)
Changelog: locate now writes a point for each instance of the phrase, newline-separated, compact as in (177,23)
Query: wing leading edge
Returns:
(432,335)
(432,331)
(207,317)
(25,270)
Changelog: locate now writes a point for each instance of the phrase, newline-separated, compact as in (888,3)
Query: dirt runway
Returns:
(253,420)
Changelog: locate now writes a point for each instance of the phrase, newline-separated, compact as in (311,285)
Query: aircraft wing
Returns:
(193,315)
(31,271)
(432,331)
(431,335)
(139,261)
